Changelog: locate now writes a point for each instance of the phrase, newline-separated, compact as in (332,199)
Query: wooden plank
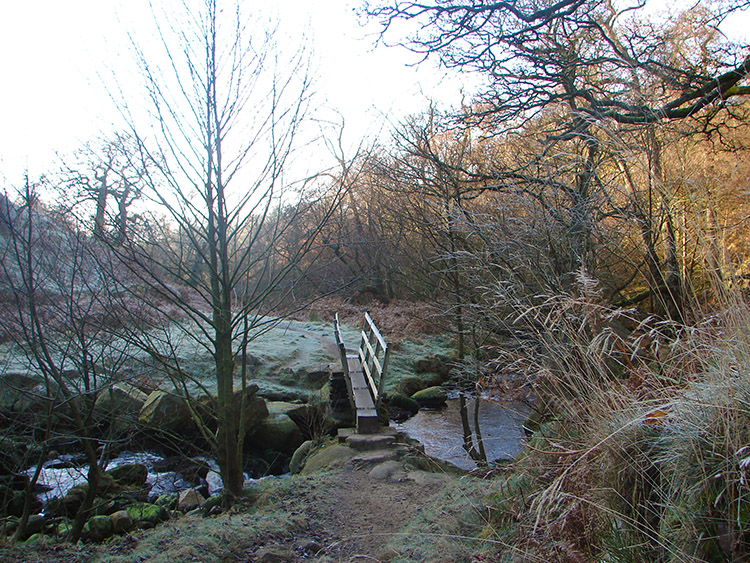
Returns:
(363,399)
(381,384)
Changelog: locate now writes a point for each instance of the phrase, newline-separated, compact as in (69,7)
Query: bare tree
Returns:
(555,53)
(226,109)
(112,171)
(55,318)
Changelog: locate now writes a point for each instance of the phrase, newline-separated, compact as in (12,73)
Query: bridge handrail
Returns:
(372,345)
(373,354)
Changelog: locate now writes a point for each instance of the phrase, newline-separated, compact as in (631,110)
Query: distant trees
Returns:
(593,93)
(600,60)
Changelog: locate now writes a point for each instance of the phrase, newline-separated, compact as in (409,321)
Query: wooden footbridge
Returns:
(364,371)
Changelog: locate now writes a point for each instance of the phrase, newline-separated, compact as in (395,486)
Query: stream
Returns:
(58,476)
(440,431)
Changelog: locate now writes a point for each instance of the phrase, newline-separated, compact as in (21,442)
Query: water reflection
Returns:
(441,434)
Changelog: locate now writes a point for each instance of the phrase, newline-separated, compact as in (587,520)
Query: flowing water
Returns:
(440,430)
(58,476)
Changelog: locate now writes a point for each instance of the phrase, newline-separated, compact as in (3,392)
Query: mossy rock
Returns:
(298,458)
(327,458)
(432,397)
(62,528)
(167,500)
(147,515)
(403,403)
(98,528)
(133,474)
(412,384)
(37,539)
(122,522)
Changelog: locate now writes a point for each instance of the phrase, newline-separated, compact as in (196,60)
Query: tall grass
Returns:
(646,448)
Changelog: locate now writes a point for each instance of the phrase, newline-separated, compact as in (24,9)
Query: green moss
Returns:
(147,515)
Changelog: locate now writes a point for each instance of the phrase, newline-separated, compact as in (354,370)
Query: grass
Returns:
(273,509)
(645,454)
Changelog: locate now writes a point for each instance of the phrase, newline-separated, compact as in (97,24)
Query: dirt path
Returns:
(361,507)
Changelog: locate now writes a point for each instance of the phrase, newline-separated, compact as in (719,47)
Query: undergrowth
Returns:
(646,449)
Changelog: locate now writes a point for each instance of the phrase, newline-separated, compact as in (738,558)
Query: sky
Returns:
(57,58)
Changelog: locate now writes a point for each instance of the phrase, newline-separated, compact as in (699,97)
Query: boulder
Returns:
(120,398)
(328,458)
(120,404)
(122,522)
(71,502)
(11,455)
(273,555)
(19,393)
(167,412)
(432,397)
(254,406)
(132,474)
(147,515)
(13,494)
(411,384)
(438,365)
(189,499)
(299,412)
(35,525)
(277,432)
(403,403)
(98,528)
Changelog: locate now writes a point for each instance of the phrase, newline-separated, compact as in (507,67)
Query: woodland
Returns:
(577,229)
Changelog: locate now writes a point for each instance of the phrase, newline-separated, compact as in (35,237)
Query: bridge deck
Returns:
(366,414)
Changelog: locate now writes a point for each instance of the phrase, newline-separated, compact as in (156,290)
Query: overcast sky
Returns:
(54,54)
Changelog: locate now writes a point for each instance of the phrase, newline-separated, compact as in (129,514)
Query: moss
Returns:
(431,397)
(330,457)
(147,515)
(98,528)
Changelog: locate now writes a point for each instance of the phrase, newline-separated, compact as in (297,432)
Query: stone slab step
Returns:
(366,442)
